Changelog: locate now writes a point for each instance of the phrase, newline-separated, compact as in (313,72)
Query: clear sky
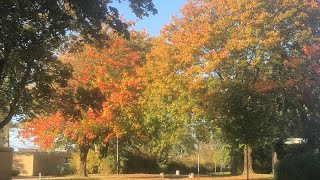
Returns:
(16,142)
(153,23)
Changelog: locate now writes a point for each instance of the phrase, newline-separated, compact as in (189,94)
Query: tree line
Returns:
(248,69)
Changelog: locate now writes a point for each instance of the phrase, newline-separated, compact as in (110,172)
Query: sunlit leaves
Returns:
(100,101)
(259,48)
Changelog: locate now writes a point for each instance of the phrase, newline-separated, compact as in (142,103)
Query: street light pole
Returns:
(117,156)
(198,158)
(247,154)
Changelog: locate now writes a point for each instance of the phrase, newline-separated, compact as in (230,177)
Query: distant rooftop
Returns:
(295,141)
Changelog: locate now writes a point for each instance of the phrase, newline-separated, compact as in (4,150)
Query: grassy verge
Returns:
(221,173)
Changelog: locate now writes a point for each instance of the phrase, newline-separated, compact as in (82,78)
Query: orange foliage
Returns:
(110,70)
(289,83)
(44,129)
(265,85)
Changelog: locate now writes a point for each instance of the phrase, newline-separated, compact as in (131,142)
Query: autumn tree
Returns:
(237,54)
(215,150)
(31,34)
(165,111)
(100,101)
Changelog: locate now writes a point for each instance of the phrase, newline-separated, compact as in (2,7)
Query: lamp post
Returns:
(117,155)
(247,154)
(198,158)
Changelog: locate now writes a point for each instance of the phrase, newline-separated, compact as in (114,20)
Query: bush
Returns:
(140,163)
(15,172)
(93,162)
(108,165)
(163,167)
(74,162)
(262,160)
(299,167)
(67,170)
(187,166)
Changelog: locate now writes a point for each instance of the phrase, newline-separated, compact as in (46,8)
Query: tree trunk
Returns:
(2,70)
(103,150)
(215,167)
(247,164)
(83,160)
(274,160)
(16,99)
(10,114)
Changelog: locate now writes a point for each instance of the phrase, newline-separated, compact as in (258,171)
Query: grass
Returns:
(215,176)
(221,173)
(73,178)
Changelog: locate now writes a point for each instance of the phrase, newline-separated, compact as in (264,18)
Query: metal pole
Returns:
(198,158)
(117,156)
(247,148)
(8,137)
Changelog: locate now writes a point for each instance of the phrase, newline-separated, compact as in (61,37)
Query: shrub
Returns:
(187,166)
(163,167)
(262,160)
(108,165)
(74,162)
(93,162)
(15,172)
(299,167)
(67,170)
(140,163)
(177,165)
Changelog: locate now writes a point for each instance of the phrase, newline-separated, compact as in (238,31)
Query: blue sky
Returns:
(16,142)
(153,23)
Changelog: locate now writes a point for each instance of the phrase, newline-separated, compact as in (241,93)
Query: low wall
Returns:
(6,155)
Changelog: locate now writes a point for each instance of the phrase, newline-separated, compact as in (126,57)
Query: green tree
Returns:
(242,58)
(168,106)
(215,150)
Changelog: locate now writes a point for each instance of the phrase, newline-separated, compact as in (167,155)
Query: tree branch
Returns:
(16,98)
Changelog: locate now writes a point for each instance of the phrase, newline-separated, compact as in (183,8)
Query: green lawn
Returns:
(221,173)
(213,176)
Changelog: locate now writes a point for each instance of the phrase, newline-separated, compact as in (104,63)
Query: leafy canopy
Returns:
(31,34)
(101,98)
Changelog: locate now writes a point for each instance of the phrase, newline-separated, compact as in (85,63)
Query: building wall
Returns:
(6,163)
(23,163)
(48,164)
(33,163)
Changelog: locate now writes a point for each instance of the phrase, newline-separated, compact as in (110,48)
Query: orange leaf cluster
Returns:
(266,85)
(113,72)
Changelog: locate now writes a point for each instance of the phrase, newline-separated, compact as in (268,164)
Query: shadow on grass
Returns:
(73,179)
(227,177)
(169,176)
